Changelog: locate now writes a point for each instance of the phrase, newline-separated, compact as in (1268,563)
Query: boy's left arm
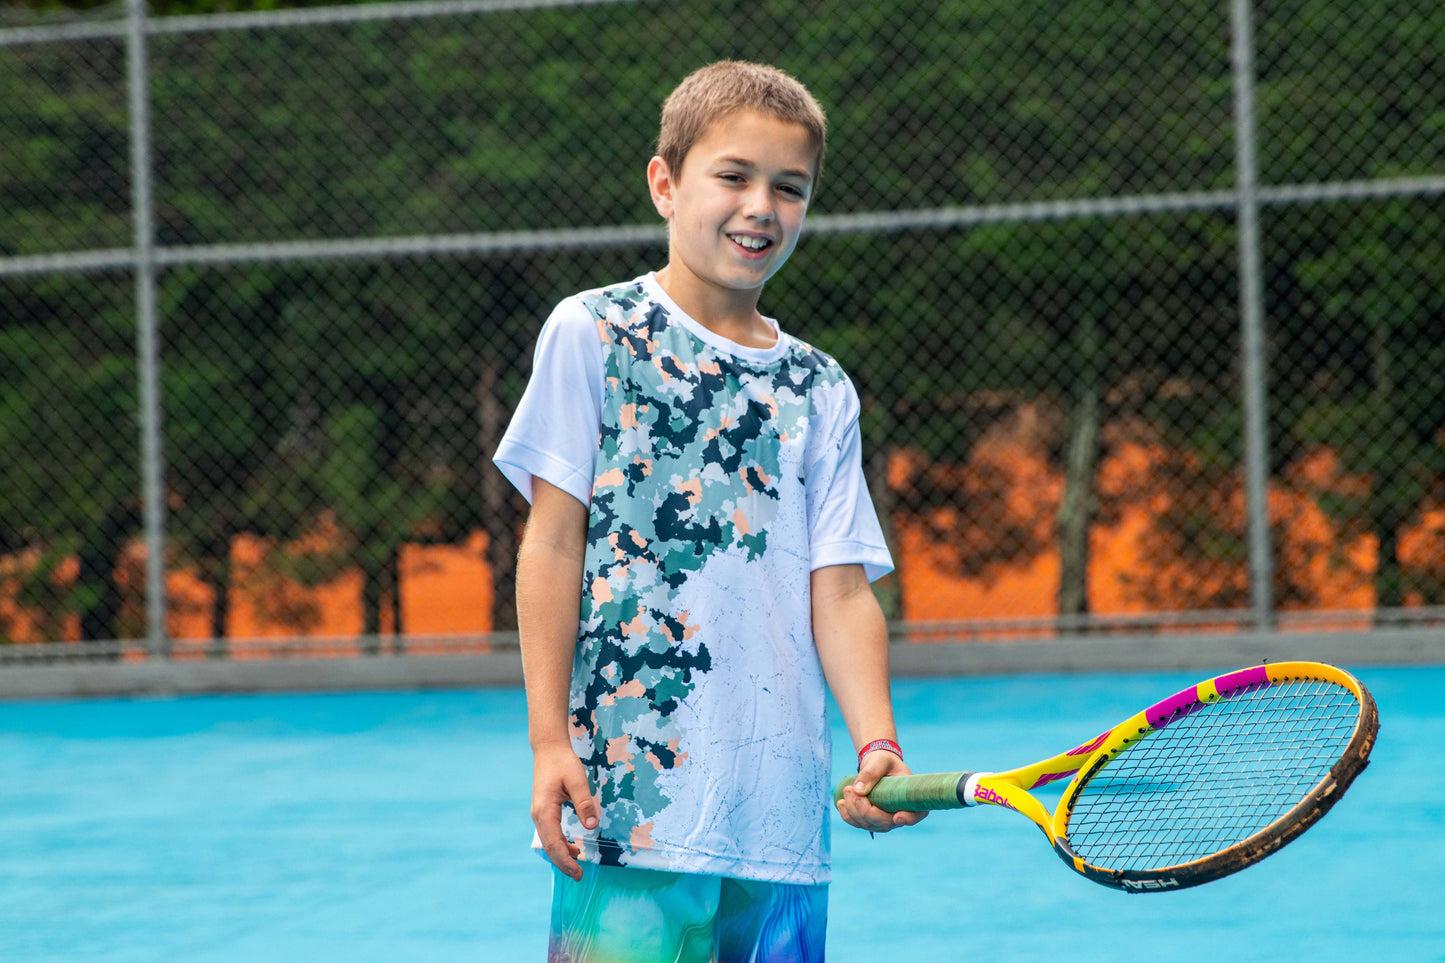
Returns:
(852,640)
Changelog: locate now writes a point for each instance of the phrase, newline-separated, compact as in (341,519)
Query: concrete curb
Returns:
(1087,653)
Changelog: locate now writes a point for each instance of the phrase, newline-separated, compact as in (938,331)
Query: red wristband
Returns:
(885,744)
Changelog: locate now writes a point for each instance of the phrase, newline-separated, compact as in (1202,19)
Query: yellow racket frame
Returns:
(1011,789)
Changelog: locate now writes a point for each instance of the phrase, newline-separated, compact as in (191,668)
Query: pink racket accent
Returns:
(1049,777)
(1187,702)
(1088,747)
(1254,676)
(1174,708)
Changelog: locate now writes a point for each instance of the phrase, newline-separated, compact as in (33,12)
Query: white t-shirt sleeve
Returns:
(555,430)
(843,525)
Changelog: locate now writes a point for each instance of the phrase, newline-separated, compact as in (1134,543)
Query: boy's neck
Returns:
(729,314)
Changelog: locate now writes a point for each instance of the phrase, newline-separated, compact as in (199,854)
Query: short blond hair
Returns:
(707,95)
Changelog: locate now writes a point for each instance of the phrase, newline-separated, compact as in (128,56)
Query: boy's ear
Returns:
(660,184)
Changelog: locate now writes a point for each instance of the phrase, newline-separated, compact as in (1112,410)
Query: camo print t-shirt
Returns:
(717,478)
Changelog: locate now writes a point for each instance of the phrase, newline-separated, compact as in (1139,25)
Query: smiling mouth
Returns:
(751,244)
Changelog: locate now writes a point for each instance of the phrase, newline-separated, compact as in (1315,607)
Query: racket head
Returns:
(1216,777)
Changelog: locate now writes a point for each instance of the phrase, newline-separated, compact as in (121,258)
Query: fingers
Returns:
(901,819)
(857,810)
(875,766)
(582,800)
(559,849)
(553,788)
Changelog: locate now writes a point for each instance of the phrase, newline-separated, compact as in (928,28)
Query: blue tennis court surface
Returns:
(394,827)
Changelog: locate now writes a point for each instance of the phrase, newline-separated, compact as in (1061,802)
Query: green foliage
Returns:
(291,390)
(1377,278)
(69,481)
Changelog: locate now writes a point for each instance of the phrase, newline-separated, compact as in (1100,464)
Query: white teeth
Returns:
(751,243)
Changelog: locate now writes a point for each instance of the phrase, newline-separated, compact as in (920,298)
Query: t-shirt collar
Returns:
(703,333)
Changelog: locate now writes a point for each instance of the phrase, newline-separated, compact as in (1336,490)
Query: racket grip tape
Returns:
(893,794)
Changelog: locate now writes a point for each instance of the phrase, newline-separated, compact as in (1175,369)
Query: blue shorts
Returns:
(621,915)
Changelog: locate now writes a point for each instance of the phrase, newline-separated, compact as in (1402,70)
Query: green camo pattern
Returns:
(687,467)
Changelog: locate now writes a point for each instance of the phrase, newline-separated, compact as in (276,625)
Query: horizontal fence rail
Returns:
(636,235)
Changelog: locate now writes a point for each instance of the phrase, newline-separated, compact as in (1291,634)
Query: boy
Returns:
(696,563)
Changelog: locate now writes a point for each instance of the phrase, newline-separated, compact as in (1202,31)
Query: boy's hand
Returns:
(558,777)
(855,808)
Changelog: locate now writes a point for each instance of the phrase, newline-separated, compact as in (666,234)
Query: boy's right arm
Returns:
(549,598)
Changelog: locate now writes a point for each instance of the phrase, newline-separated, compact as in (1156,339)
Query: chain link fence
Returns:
(1146,304)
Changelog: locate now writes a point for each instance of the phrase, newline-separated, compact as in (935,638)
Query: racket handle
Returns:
(939,790)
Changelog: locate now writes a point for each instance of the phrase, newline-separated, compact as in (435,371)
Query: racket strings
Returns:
(1213,777)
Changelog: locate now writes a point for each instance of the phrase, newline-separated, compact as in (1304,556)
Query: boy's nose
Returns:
(759,206)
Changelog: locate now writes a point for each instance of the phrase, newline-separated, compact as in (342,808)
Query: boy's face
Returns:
(735,210)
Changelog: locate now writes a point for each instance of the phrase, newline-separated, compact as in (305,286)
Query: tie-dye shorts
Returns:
(621,915)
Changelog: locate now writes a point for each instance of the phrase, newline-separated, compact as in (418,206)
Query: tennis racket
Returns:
(1198,786)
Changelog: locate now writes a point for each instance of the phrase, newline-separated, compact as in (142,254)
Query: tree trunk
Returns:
(398,629)
(890,588)
(1076,510)
(500,517)
(214,570)
(221,613)
(1386,515)
(95,580)
(1389,585)
(97,560)
(372,578)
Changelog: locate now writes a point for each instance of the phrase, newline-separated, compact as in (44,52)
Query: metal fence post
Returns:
(147,342)
(1251,318)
